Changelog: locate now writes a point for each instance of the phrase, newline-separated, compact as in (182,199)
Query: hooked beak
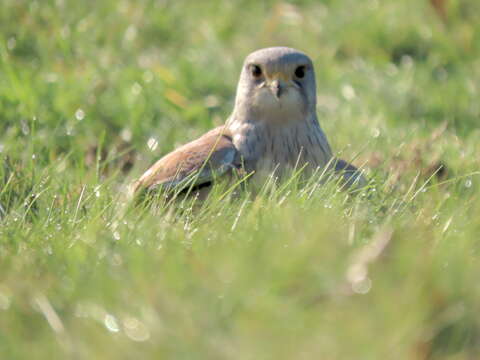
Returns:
(277,88)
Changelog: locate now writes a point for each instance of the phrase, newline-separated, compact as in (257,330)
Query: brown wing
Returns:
(194,163)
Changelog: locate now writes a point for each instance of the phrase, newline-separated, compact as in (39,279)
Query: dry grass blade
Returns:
(357,272)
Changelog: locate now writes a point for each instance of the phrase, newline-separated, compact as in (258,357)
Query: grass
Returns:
(91,93)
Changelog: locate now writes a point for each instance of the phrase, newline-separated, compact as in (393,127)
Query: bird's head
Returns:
(276,84)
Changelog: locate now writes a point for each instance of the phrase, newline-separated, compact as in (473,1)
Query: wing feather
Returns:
(213,154)
(351,175)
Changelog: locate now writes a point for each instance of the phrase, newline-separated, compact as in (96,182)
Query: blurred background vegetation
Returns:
(91,92)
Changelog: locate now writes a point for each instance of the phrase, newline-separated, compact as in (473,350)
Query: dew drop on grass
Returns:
(152,144)
(130,33)
(135,329)
(468,183)
(363,286)
(48,250)
(348,92)
(126,134)
(136,89)
(111,323)
(79,114)
(69,130)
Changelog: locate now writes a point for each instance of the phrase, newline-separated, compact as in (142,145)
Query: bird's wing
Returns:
(350,174)
(195,163)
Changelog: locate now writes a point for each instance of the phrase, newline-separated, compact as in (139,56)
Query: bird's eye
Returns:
(300,72)
(256,71)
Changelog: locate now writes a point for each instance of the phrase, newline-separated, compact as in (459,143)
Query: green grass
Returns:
(292,273)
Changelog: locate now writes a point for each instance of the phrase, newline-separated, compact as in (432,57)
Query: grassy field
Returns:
(92,92)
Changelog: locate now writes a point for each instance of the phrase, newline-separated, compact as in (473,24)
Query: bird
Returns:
(273,129)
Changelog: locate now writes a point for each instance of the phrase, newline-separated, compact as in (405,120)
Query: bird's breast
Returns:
(279,150)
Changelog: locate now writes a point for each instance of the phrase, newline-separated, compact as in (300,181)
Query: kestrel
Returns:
(273,129)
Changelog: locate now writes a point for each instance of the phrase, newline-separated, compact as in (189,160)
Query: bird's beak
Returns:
(277,86)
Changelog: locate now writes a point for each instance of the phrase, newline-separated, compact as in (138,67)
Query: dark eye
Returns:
(256,71)
(300,72)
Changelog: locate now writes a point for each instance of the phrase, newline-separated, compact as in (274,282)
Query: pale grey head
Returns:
(276,83)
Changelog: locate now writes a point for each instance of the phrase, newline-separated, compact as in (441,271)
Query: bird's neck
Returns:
(268,146)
